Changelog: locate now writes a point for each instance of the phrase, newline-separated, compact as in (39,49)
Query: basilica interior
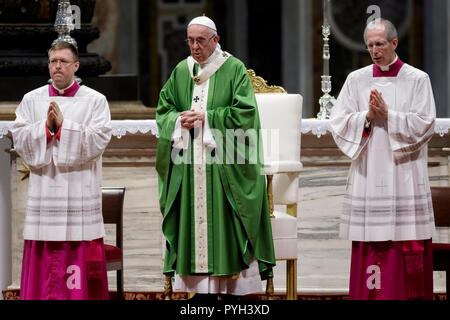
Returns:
(127,51)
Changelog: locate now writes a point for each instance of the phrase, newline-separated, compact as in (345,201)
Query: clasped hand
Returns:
(192,119)
(54,117)
(377,106)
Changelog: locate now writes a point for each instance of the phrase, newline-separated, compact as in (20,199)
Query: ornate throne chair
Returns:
(280,115)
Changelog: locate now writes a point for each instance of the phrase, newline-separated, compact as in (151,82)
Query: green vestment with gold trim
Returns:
(238,221)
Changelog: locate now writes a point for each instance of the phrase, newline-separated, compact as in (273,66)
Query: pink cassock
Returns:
(391,270)
(64,270)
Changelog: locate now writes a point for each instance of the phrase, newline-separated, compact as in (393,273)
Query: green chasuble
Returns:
(237,224)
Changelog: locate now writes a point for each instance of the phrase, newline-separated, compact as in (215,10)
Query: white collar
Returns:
(386,68)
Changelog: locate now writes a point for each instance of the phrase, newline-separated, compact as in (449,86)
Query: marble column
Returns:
(237,30)
(297,51)
(5,215)
(437,51)
(128,38)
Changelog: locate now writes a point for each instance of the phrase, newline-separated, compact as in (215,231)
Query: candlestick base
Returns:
(326,103)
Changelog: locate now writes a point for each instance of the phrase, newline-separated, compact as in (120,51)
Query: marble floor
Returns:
(323,258)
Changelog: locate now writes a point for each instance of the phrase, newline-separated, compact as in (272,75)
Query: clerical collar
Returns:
(391,70)
(70,91)
(386,68)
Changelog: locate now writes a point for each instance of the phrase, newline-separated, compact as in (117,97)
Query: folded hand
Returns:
(54,117)
(192,119)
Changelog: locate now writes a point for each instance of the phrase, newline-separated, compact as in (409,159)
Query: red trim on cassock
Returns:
(57,136)
(366,132)
(49,136)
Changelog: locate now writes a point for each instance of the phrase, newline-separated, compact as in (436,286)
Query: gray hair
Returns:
(391,31)
(212,32)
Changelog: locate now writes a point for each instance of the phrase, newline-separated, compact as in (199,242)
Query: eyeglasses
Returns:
(380,45)
(64,63)
(200,41)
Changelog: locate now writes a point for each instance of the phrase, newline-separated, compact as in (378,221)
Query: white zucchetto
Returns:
(204,21)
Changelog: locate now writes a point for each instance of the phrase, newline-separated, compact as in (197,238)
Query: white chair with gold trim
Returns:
(280,115)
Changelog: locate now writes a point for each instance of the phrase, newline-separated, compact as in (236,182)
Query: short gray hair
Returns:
(391,31)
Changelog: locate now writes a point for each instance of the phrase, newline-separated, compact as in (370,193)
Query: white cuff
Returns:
(180,136)
(208,139)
